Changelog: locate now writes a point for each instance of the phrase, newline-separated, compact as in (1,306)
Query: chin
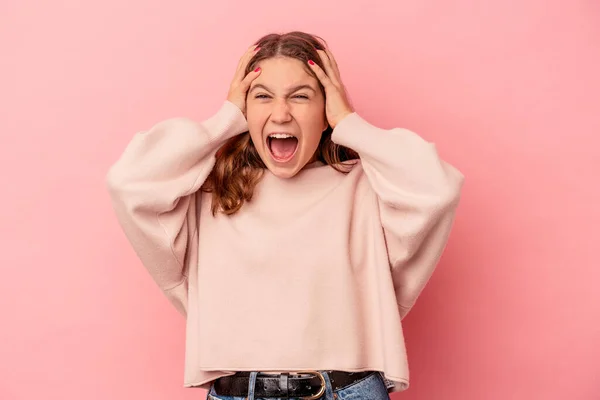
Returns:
(283,172)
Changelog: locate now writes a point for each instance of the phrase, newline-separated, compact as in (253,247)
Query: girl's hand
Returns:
(337,105)
(240,83)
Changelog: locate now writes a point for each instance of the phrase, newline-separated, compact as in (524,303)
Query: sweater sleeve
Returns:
(417,193)
(153,189)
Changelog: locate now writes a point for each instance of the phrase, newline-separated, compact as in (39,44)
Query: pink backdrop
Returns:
(507,89)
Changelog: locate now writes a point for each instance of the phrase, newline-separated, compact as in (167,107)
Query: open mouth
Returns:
(282,146)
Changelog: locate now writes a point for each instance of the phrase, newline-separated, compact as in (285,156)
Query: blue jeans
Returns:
(373,387)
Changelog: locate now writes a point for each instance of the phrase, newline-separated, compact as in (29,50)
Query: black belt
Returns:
(306,384)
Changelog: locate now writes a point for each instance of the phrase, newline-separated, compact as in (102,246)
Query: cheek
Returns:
(251,113)
(256,120)
(311,121)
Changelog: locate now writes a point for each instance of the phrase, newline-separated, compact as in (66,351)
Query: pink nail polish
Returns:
(257,49)
(257,69)
(311,62)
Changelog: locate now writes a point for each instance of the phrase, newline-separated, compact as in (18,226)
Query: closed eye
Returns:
(298,96)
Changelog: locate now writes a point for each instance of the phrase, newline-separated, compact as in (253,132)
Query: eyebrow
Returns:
(292,90)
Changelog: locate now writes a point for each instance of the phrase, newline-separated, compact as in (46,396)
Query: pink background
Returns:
(507,89)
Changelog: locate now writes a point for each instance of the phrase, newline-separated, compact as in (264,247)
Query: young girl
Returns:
(292,234)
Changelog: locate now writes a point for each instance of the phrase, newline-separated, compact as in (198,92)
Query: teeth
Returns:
(280,135)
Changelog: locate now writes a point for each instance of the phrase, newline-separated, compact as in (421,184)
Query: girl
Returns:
(293,234)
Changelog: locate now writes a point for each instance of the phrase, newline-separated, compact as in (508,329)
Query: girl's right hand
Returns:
(238,89)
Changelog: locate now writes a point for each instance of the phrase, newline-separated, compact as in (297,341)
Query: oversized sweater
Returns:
(315,272)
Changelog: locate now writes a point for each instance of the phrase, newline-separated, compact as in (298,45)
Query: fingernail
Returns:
(311,62)
(257,49)
(257,69)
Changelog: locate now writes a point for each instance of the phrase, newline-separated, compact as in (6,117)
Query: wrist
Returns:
(343,116)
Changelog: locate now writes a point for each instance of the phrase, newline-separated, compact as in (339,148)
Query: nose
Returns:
(280,113)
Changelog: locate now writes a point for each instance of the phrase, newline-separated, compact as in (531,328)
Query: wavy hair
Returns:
(238,167)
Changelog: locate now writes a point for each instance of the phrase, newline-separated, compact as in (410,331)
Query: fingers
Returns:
(333,62)
(330,70)
(321,75)
(247,81)
(244,60)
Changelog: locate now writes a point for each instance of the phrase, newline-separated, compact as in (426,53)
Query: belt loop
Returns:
(251,385)
(328,387)
(283,384)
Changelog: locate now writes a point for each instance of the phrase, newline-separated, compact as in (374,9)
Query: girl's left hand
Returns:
(337,105)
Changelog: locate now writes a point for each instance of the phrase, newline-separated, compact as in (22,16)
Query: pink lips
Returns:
(282,149)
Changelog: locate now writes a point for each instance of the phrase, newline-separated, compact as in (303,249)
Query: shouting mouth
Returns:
(282,146)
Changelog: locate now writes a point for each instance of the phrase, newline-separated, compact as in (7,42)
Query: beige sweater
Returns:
(315,273)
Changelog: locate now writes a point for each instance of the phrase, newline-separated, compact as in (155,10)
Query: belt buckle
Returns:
(323,384)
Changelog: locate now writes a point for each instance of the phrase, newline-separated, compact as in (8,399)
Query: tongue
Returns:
(283,148)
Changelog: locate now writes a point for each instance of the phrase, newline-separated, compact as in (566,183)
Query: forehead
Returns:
(280,73)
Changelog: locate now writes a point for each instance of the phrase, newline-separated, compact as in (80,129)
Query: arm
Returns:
(153,189)
(417,194)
